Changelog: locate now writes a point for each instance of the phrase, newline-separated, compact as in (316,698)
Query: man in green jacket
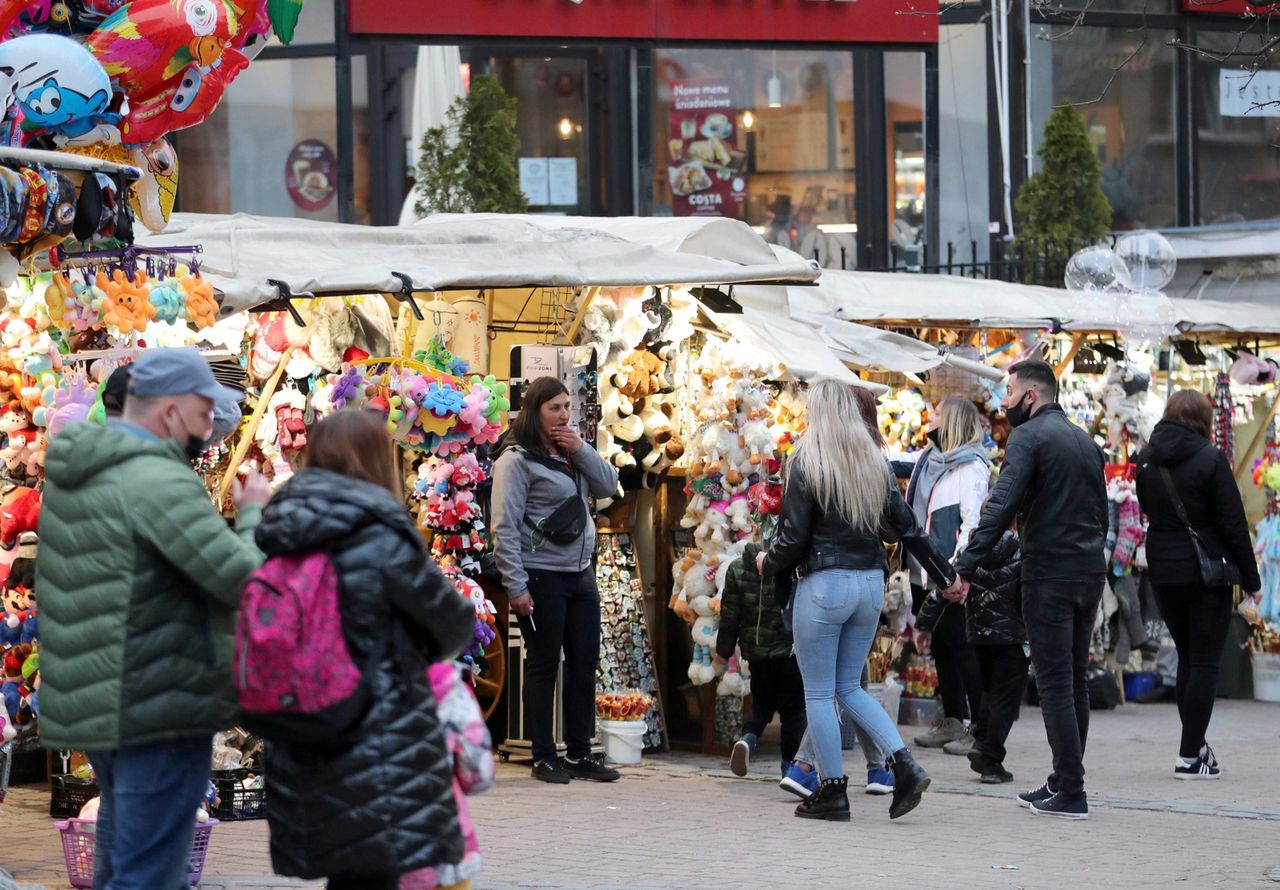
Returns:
(139,580)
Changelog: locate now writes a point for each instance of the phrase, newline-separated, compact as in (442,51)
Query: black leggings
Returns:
(1197,618)
(959,680)
(776,687)
(366,882)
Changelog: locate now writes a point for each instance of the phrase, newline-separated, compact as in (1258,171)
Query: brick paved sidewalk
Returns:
(681,821)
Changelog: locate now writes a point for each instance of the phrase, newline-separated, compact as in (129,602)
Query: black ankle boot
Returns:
(909,782)
(830,802)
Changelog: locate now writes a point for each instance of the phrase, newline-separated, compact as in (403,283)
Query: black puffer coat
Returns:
(385,804)
(993,611)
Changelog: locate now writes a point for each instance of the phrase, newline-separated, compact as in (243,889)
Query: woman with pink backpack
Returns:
(371,799)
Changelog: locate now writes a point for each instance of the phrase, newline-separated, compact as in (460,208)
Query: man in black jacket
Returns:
(1052,484)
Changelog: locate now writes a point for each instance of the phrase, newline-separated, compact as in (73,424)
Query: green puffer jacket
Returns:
(139,580)
(749,613)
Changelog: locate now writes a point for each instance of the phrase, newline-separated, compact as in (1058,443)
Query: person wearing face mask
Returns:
(949,482)
(139,579)
(1052,484)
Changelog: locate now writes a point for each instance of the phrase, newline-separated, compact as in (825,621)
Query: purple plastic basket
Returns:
(79,836)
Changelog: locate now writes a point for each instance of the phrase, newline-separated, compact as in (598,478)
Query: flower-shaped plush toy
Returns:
(169,299)
(202,306)
(83,308)
(127,307)
(346,386)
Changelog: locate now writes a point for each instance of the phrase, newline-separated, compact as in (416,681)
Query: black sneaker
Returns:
(1204,766)
(1039,795)
(1063,806)
(552,772)
(591,767)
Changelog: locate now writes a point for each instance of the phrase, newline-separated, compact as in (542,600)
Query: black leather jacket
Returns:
(1052,483)
(810,539)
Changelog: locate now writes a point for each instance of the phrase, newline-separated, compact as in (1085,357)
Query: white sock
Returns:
(1183,761)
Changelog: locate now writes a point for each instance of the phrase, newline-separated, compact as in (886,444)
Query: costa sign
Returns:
(705,21)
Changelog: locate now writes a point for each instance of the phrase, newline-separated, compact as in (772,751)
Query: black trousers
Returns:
(1197,618)
(1059,615)
(1004,677)
(777,688)
(566,614)
(959,680)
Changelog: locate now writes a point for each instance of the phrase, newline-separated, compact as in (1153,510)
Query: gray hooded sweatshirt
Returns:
(523,487)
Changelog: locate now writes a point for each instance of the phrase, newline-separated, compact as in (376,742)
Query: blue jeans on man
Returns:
(147,813)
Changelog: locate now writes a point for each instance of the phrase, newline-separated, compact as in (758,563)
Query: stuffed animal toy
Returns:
(127,306)
(169,300)
(644,374)
(705,628)
(202,306)
(897,601)
(14,689)
(20,513)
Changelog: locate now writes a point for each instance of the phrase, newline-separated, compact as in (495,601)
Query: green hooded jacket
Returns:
(750,614)
(139,580)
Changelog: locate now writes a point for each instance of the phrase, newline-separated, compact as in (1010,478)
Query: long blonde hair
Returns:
(841,464)
(961,424)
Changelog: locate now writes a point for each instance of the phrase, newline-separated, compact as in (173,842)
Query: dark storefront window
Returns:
(554,129)
(1238,131)
(904,132)
(762,136)
(1122,81)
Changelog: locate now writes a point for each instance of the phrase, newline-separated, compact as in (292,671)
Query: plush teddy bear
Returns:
(644,374)
(705,628)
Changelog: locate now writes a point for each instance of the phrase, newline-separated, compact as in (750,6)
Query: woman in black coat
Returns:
(1197,616)
(382,804)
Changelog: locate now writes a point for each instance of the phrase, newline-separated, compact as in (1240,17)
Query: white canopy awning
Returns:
(242,253)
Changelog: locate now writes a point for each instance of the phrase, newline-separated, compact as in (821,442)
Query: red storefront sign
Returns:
(1230,7)
(771,21)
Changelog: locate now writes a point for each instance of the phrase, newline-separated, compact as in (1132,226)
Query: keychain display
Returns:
(626,657)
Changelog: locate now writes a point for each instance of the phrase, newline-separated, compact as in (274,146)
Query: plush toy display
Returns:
(732,473)
(1126,419)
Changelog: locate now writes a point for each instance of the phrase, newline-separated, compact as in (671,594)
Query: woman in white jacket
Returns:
(949,483)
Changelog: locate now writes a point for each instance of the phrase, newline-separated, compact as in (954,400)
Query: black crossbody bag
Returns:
(565,524)
(1215,571)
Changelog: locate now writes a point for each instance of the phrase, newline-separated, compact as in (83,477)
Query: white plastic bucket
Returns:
(623,740)
(1266,676)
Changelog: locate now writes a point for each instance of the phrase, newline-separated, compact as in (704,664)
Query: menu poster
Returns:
(705,175)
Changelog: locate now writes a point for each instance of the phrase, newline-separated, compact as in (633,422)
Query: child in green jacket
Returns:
(750,617)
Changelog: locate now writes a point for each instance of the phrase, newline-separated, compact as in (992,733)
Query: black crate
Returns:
(238,803)
(68,794)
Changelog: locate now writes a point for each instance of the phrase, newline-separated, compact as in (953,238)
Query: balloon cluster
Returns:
(115,77)
(1124,288)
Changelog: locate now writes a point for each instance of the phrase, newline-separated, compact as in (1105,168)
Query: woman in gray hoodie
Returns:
(544,542)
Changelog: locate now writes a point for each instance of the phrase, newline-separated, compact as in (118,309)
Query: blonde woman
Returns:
(949,484)
(839,502)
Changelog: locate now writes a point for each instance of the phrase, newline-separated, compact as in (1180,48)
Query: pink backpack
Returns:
(293,673)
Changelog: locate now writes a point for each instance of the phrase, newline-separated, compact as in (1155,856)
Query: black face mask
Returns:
(1018,414)
(935,436)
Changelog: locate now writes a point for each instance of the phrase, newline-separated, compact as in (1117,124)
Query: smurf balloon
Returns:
(61,89)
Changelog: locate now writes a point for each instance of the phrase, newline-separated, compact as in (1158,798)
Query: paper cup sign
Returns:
(705,171)
(311,175)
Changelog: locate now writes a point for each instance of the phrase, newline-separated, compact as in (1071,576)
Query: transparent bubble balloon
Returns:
(1093,307)
(1148,258)
(1094,269)
(1147,317)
